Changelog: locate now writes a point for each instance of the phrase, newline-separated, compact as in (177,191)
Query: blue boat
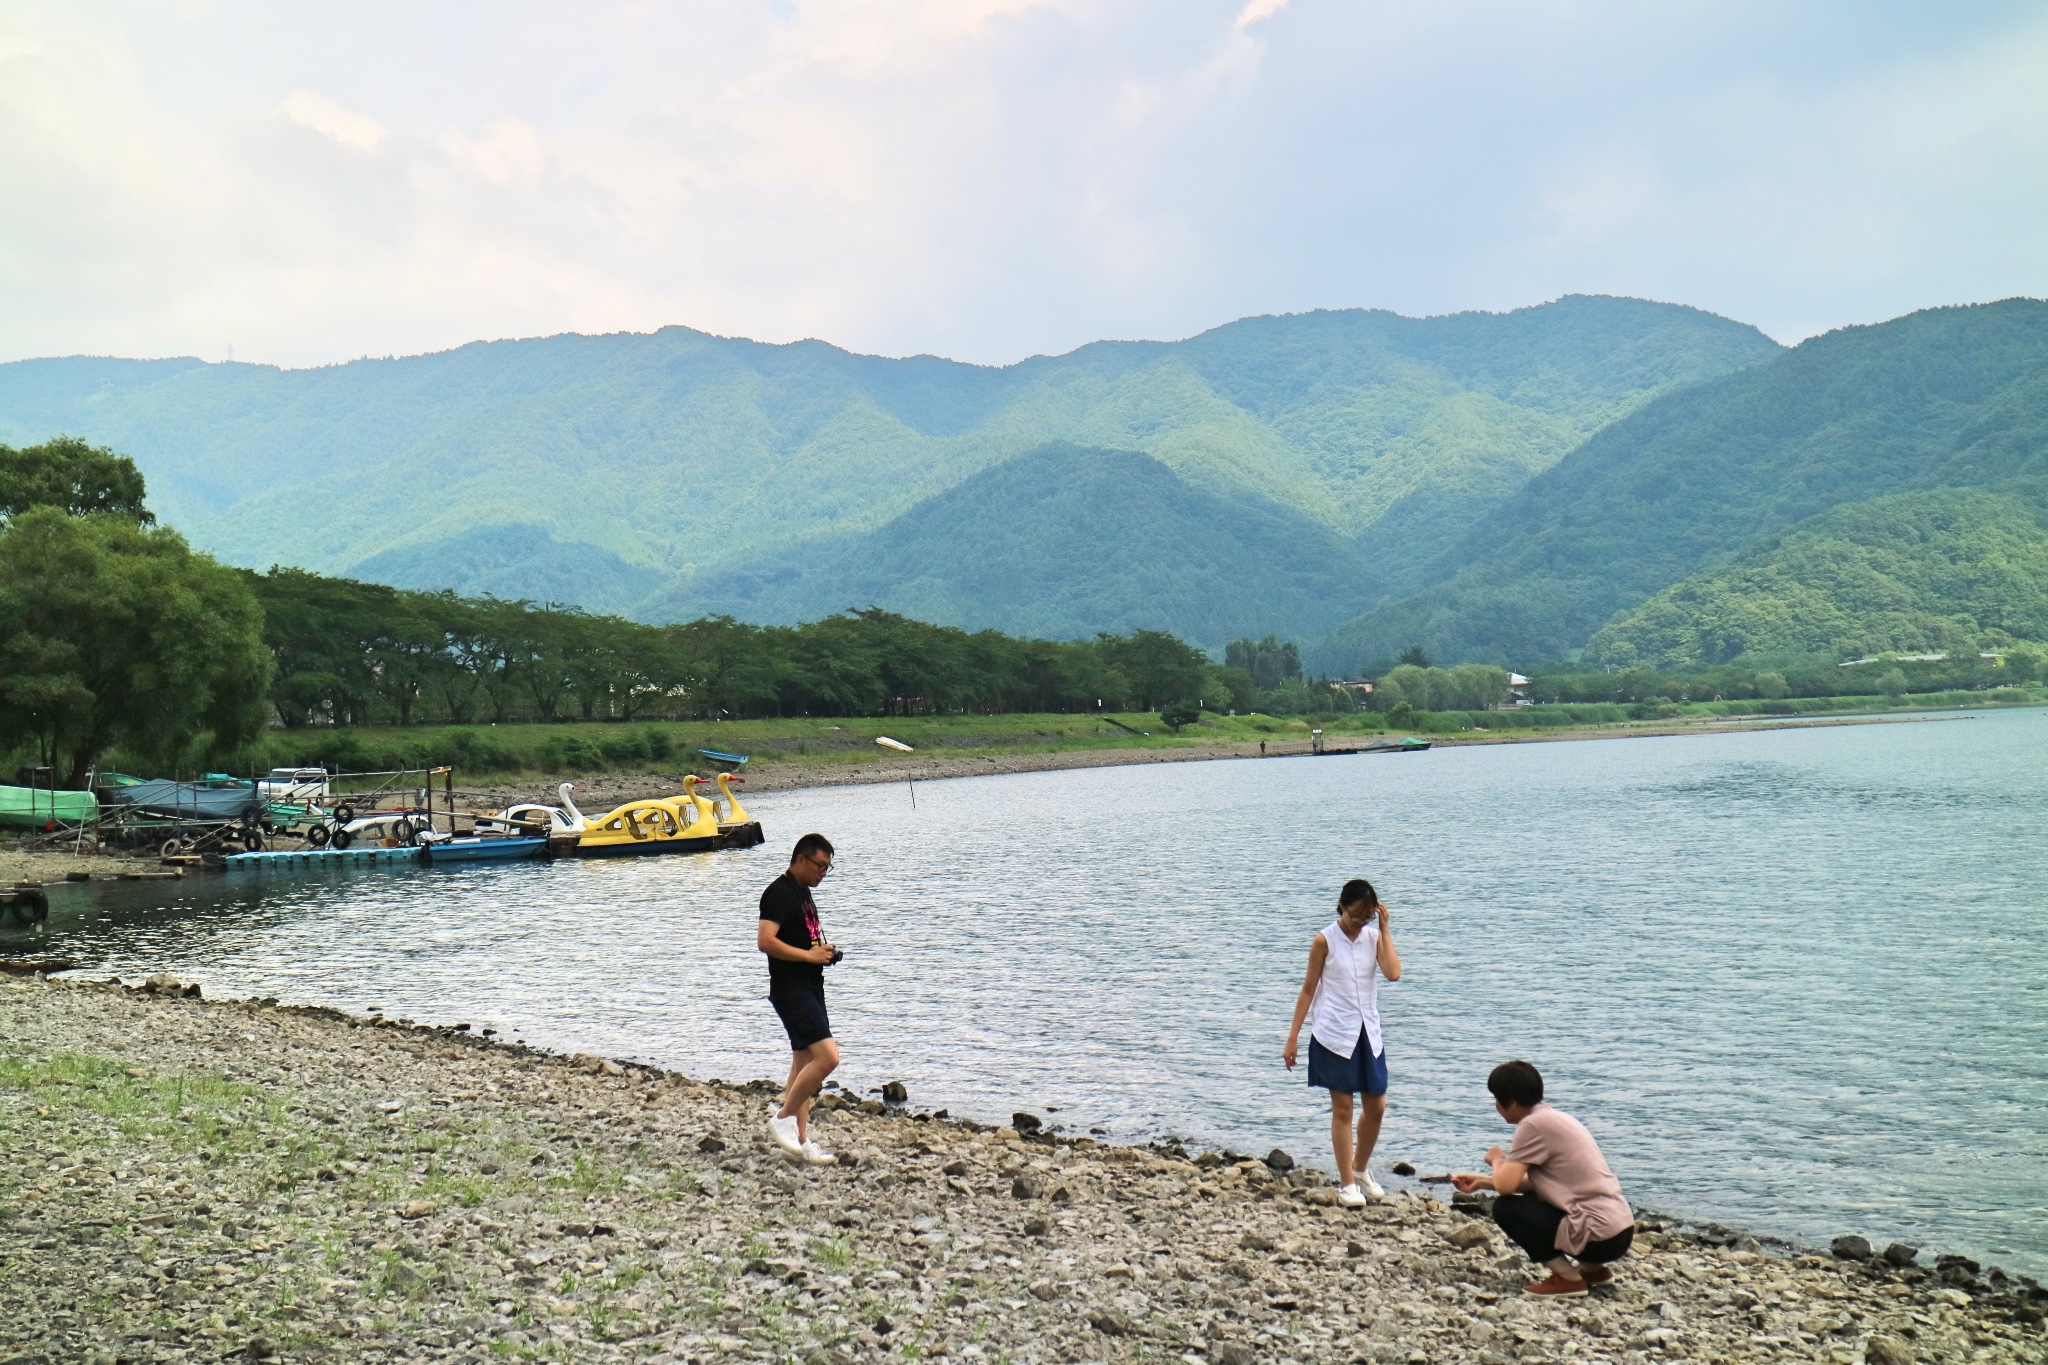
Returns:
(729,762)
(467,849)
(218,797)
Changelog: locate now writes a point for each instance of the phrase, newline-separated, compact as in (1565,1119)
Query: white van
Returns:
(300,786)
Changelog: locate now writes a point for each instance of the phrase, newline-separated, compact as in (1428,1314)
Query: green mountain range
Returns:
(657,473)
(1947,398)
(1598,478)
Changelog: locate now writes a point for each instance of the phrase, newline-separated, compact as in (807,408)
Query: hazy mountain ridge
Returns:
(683,453)
(1060,542)
(1944,397)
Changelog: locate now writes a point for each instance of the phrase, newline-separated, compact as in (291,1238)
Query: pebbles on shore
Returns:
(197,1179)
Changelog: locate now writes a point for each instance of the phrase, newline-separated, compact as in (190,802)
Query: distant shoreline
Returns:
(935,766)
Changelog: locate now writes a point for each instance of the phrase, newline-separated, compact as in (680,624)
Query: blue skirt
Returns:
(1359,1074)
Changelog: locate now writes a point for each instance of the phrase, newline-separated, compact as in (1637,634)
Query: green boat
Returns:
(37,807)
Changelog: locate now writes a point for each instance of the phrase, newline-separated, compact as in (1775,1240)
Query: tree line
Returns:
(116,636)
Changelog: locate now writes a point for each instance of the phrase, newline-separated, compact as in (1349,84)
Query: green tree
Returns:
(1179,714)
(1269,662)
(1892,682)
(116,633)
(1154,667)
(69,474)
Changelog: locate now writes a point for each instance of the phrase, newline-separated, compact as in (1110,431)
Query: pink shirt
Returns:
(1567,1171)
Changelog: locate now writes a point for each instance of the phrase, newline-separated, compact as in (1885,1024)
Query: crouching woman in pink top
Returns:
(1558,1201)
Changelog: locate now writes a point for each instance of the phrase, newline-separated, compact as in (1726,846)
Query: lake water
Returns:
(1794,980)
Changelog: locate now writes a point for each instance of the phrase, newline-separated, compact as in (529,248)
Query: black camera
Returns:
(837,954)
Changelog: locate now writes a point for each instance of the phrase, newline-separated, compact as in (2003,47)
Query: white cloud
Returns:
(989,178)
(310,109)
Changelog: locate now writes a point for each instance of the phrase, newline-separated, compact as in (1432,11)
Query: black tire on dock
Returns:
(30,905)
(405,832)
(341,839)
(318,836)
(344,813)
(171,848)
(252,841)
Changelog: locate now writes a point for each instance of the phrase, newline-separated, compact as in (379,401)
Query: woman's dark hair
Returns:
(810,846)
(1356,890)
(1516,1082)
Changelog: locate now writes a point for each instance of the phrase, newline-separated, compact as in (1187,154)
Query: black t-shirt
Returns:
(788,903)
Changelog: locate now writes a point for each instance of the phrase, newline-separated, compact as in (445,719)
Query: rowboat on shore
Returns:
(39,807)
(215,797)
(724,761)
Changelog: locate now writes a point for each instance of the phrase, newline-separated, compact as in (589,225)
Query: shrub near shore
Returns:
(238,1180)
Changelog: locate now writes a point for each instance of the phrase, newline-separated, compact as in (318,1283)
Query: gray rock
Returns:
(1026,1186)
(1882,1350)
(896,1092)
(1851,1247)
(707,1143)
(1110,1322)
(1232,1353)
(1026,1123)
(1403,1168)
(1898,1253)
(1279,1161)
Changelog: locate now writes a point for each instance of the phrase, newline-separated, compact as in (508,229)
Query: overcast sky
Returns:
(987,179)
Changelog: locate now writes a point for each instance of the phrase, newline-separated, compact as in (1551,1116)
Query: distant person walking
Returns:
(1346,1055)
(1558,1201)
(797,957)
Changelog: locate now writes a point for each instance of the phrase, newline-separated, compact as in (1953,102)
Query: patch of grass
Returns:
(834,1254)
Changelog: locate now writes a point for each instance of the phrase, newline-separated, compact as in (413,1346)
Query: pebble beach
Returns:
(194,1179)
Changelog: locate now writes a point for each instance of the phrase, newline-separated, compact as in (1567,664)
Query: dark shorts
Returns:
(802,1010)
(1359,1074)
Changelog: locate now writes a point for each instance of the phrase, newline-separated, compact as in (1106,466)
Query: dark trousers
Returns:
(1532,1225)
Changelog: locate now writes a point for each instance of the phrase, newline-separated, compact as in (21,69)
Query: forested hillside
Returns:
(1060,543)
(1952,397)
(1940,571)
(696,458)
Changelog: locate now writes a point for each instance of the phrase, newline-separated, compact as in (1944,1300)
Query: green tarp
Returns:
(35,807)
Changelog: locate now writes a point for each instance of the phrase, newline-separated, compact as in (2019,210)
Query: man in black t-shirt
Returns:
(797,957)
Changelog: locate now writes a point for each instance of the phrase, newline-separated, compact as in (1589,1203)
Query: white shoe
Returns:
(1350,1196)
(1372,1187)
(814,1155)
(783,1130)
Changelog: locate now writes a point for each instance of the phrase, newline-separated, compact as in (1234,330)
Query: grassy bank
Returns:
(484,751)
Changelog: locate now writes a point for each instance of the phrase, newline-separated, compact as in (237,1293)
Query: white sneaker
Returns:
(1350,1196)
(814,1155)
(1372,1187)
(783,1130)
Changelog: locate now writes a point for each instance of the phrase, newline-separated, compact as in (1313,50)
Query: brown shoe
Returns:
(1556,1287)
(1595,1274)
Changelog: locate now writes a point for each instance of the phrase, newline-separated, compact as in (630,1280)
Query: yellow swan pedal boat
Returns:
(665,824)
(739,829)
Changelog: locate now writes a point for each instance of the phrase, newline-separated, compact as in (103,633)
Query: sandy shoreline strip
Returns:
(936,765)
(204,1180)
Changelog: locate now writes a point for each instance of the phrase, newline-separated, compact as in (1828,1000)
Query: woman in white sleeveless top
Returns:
(1345,1054)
